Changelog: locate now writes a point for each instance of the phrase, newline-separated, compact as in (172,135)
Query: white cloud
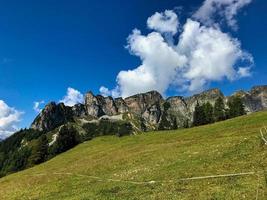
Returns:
(166,22)
(9,118)
(212,55)
(73,97)
(244,72)
(226,9)
(203,54)
(159,62)
(36,106)
(106,92)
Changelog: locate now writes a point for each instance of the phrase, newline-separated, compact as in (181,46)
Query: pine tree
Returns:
(174,125)
(39,151)
(199,115)
(236,107)
(219,110)
(208,113)
(66,139)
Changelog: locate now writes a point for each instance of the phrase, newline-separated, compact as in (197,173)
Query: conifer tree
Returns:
(66,139)
(236,107)
(219,110)
(39,151)
(199,115)
(208,113)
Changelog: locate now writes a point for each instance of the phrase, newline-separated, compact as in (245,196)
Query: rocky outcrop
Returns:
(108,105)
(139,103)
(79,110)
(52,116)
(152,114)
(255,99)
(207,96)
(179,109)
(98,106)
(93,105)
(146,109)
(121,105)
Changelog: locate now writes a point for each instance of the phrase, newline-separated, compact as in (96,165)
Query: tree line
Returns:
(29,147)
(207,113)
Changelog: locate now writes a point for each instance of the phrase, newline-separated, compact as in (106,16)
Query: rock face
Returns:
(93,105)
(207,96)
(52,116)
(255,99)
(150,109)
(140,102)
(121,105)
(179,109)
(152,114)
(79,110)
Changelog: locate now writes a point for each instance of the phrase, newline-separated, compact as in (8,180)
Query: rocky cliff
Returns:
(145,111)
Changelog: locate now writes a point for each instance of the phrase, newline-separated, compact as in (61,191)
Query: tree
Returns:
(174,125)
(199,115)
(39,151)
(186,124)
(124,129)
(203,114)
(208,113)
(166,106)
(219,110)
(66,139)
(164,123)
(236,107)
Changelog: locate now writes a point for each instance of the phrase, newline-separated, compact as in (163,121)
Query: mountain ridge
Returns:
(149,107)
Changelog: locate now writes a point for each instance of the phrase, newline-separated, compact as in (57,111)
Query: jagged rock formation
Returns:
(139,103)
(52,116)
(254,100)
(145,111)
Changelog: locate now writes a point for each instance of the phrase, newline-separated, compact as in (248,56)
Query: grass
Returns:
(232,146)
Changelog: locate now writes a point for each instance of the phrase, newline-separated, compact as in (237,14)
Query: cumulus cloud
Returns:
(212,55)
(9,118)
(159,63)
(36,106)
(72,97)
(226,9)
(166,22)
(106,92)
(202,54)
(244,72)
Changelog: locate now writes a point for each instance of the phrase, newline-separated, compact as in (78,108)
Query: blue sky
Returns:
(48,46)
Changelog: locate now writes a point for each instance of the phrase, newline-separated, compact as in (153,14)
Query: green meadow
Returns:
(155,165)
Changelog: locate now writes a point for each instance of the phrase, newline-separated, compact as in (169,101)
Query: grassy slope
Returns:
(222,148)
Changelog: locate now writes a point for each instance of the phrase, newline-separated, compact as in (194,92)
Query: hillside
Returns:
(155,165)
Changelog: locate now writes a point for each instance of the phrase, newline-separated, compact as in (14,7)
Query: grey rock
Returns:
(178,108)
(121,105)
(152,114)
(146,109)
(140,102)
(93,105)
(255,99)
(108,105)
(79,110)
(52,116)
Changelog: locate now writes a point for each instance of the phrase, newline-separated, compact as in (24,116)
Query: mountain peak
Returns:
(148,107)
